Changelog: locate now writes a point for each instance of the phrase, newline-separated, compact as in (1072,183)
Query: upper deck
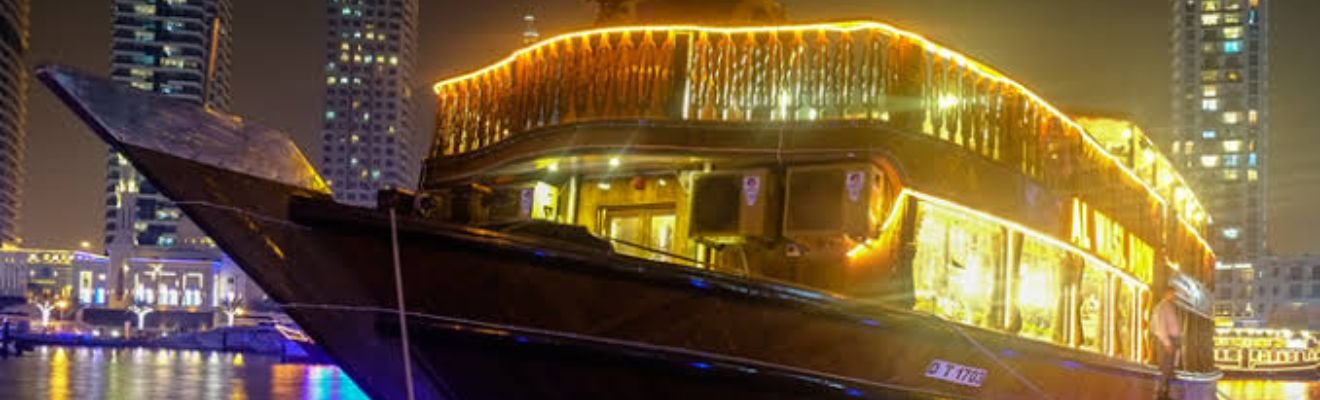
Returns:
(809,77)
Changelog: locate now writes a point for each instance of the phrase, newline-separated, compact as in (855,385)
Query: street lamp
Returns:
(141,306)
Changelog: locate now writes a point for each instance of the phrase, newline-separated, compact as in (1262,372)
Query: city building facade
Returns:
(76,278)
(1221,117)
(13,111)
(1275,292)
(370,52)
(181,49)
(79,282)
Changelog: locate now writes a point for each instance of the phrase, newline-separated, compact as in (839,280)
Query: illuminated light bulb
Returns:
(614,162)
(553,167)
(603,186)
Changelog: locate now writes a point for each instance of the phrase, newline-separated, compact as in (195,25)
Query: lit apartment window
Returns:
(1208,134)
(1230,175)
(145,9)
(330,114)
(1210,104)
(1209,90)
(1209,19)
(1233,46)
(1210,160)
(1232,117)
(1252,175)
(1232,146)
(1231,160)
(1253,116)
(1233,32)
(1231,233)
(1210,5)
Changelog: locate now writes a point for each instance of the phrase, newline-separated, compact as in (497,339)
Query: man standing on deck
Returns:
(1166,327)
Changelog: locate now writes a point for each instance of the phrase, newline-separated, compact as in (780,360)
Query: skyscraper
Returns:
(530,35)
(13,111)
(1221,116)
(179,48)
(370,50)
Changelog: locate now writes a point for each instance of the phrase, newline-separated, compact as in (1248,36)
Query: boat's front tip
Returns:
(126,117)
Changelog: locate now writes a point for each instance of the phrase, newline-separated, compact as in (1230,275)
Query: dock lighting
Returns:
(614,162)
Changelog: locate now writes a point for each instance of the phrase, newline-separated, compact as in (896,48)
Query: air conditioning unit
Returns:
(833,199)
(731,205)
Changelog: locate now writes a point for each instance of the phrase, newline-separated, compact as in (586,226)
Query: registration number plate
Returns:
(956,373)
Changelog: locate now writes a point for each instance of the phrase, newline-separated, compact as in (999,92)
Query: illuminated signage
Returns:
(1106,238)
(50,258)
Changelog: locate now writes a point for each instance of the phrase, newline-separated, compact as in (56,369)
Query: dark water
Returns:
(60,373)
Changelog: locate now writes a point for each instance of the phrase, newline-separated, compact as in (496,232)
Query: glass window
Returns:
(1232,117)
(955,265)
(1232,146)
(1090,307)
(1039,284)
(1210,104)
(1208,134)
(1233,46)
(1124,323)
(642,232)
(1210,19)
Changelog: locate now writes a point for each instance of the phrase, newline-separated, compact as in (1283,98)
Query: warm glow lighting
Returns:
(947,101)
(553,167)
(936,201)
(990,74)
(614,162)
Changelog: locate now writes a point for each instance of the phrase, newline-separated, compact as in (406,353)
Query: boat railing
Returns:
(860,73)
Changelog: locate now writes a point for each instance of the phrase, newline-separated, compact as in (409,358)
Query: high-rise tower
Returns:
(370,50)
(1221,116)
(182,49)
(530,34)
(13,111)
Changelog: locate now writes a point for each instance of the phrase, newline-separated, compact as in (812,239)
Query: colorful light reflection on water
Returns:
(1269,390)
(60,373)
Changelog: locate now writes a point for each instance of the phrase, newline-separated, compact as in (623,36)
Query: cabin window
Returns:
(1090,307)
(1039,291)
(957,260)
(642,232)
(1124,323)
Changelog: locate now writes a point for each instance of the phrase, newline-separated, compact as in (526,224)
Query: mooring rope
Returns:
(402,310)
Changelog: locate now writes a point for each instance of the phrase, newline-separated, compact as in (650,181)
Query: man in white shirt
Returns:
(1167,328)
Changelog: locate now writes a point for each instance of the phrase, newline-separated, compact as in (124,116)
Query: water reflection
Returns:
(1268,390)
(60,373)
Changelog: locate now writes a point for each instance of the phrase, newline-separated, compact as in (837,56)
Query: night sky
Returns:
(1081,54)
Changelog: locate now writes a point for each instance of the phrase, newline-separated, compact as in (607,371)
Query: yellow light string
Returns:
(851,26)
